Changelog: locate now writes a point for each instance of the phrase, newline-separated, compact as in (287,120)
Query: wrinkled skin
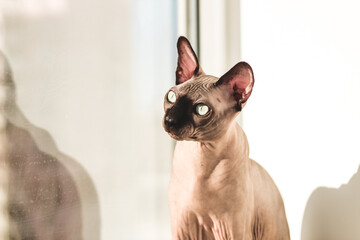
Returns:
(216,191)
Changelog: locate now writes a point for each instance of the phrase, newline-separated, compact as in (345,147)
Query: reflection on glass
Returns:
(39,197)
(83,152)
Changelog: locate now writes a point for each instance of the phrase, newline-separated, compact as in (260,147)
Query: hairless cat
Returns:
(216,191)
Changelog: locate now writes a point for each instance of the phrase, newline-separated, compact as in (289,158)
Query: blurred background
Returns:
(83,102)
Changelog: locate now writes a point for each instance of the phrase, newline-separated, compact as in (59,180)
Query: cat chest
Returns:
(219,192)
(200,196)
(200,226)
(201,212)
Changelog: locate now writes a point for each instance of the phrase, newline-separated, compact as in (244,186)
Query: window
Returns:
(86,153)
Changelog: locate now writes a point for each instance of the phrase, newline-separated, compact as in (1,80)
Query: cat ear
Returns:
(238,82)
(188,64)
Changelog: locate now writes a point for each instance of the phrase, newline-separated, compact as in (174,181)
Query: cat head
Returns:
(200,107)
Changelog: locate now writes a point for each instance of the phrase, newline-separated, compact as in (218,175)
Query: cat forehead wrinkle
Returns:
(201,84)
(207,79)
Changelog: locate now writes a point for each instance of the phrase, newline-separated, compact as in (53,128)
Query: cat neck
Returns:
(229,146)
(229,153)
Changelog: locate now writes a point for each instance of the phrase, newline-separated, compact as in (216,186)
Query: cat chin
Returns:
(179,138)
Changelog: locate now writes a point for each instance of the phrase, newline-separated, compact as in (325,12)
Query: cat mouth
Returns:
(176,137)
(179,135)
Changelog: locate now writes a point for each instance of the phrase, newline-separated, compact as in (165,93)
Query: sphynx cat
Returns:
(216,191)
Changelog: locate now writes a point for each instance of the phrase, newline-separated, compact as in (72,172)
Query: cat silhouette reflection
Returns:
(42,199)
(333,214)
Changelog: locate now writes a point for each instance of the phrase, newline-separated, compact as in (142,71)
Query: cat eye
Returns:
(171,97)
(202,109)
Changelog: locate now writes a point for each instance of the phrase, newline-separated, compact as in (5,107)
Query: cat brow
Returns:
(199,86)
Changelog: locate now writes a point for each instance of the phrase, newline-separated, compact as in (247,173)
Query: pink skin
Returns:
(216,191)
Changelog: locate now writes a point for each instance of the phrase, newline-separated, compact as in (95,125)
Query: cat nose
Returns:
(169,122)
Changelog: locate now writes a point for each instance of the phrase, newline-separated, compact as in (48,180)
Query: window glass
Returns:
(83,152)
